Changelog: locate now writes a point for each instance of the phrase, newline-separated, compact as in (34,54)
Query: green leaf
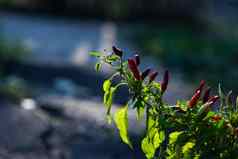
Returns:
(152,142)
(106,85)
(158,139)
(220,124)
(95,53)
(151,123)
(112,58)
(197,156)
(174,136)
(156,85)
(98,66)
(148,148)
(182,104)
(140,113)
(186,149)
(222,97)
(221,94)
(228,100)
(209,114)
(121,121)
(108,97)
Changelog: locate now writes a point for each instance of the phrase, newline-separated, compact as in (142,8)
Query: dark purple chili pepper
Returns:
(206,95)
(117,51)
(145,73)
(194,99)
(152,76)
(137,59)
(165,81)
(134,69)
(202,84)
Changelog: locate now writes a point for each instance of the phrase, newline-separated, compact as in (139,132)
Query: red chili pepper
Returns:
(216,118)
(213,99)
(137,59)
(152,76)
(202,84)
(165,81)
(204,109)
(206,95)
(194,99)
(145,73)
(117,51)
(134,69)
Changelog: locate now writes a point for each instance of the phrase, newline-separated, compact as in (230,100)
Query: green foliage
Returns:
(121,121)
(178,131)
(108,95)
(152,142)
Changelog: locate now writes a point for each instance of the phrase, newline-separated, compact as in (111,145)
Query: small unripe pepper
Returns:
(206,95)
(137,59)
(145,73)
(117,51)
(134,69)
(194,99)
(165,81)
(152,76)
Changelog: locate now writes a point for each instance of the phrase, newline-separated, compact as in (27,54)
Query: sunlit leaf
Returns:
(112,58)
(197,156)
(158,139)
(106,85)
(98,66)
(121,121)
(186,149)
(151,123)
(108,97)
(95,53)
(152,141)
(148,148)
(209,114)
(174,136)
(182,104)
(140,113)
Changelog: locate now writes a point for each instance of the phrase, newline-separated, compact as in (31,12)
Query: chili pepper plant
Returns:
(204,126)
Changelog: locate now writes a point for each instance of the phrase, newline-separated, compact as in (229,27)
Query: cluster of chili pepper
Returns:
(133,64)
(206,98)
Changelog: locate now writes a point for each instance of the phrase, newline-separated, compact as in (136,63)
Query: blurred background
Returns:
(50,95)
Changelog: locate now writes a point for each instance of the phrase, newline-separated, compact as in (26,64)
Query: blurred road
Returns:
(58,40)
(64,42)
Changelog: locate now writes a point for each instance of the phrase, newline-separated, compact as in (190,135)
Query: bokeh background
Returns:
(50,95)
